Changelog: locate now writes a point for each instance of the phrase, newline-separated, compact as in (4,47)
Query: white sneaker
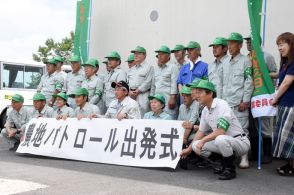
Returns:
(244,164)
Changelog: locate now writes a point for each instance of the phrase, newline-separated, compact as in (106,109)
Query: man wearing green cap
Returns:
(140,79)
(40,108)
(115,74)
(103,77)
(92,82)
(164,80)
(59,63)
(227,137)
(73,80)
(219,50)
(131,60)
(15,122)
(180,53)
(157,104)
(195,68)
(84,109)
(237,85)
(49,81)
(188,112)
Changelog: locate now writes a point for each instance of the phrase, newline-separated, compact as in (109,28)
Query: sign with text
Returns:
(142,143)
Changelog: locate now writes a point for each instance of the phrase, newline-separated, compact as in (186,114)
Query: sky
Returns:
(26,24)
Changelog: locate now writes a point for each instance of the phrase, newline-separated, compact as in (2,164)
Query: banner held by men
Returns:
(142,143)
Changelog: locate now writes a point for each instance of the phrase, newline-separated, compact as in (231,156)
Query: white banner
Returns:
(261,105)
(142,143)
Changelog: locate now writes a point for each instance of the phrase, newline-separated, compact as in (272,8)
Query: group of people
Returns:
(212,100)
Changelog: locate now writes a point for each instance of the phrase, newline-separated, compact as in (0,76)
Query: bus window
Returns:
(32,77)
(13,76)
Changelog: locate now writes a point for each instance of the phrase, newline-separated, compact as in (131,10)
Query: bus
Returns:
(21,78)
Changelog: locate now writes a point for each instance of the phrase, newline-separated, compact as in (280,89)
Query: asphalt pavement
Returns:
(28,174)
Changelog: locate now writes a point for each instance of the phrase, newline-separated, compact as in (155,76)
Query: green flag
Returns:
(261,102)
(82,28)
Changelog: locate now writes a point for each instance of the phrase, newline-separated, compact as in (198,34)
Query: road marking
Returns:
(13,186)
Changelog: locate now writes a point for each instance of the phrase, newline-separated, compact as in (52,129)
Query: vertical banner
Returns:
(82,28)
(261,102)
(142,143)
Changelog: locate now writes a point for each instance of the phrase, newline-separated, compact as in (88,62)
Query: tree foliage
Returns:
(52,48)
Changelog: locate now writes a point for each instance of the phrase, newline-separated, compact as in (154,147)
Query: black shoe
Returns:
(184,163)
(229,168)
(218,170)
(203,164)
(14,148)
(267,150)
(227,174)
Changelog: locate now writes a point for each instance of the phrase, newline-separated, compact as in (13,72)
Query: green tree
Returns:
(52,48)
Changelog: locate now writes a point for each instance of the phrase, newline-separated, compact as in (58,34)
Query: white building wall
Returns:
(122,24)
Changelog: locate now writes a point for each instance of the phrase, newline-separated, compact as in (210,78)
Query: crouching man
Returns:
(84,109)
(15,123)
(123,107)
(227,137)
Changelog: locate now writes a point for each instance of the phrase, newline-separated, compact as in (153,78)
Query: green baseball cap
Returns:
(75,58)
(91,62)
(159,97)
(113,54)
(61,95)
(178,47)
(186,90)
(39,97)
(193,45)
(234,36)
(131,58)
(59,59)
(58,86)
(194,83)
(50,61)
(17,98)
(219,41)
(81,91)
(163,49)
(205,84)
(139,49)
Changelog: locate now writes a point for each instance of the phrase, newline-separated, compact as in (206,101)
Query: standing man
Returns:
(215,69)
(16,121)
(59,63)
(195,68)
(49,81)
(180,53)
(73,80)
(227,137)
(267,121)
(103,76)
(131,60)
(92,83)
(140,79)
(237,85)
(115,74)
(164,80)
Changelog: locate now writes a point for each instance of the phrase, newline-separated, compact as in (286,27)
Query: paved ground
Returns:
(26,174)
